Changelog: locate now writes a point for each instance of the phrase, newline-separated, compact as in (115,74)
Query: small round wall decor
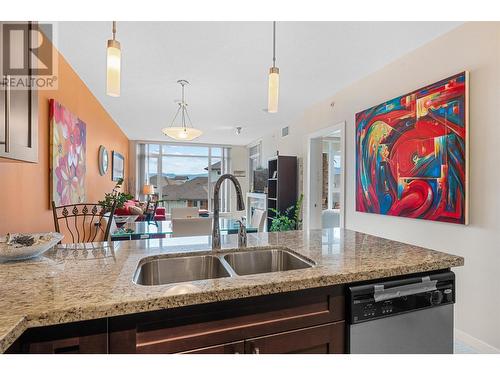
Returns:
(103,160)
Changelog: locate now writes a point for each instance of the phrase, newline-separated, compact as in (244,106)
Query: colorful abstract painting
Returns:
(68,153)
(411,154)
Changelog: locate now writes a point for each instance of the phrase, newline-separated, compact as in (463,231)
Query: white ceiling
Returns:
(227,64)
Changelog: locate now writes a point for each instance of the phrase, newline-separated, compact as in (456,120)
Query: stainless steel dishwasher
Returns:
(408,315)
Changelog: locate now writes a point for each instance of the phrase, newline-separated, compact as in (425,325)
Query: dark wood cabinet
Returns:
(19,106)
(91,344)
(218,324)
(323,339)
(88,337)
(307,321)
(237,347)
(281,185)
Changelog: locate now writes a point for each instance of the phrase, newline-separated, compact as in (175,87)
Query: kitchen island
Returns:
(93,284)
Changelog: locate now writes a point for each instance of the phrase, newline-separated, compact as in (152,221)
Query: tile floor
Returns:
(462,348)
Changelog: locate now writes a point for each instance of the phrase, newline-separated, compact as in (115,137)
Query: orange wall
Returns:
(24,187)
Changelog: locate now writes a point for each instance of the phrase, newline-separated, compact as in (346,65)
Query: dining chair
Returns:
(198,226)
(258,219)
(84,222)
(184,212)
(150,211)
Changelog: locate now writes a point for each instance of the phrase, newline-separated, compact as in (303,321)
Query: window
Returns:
(184,176)
(255,161)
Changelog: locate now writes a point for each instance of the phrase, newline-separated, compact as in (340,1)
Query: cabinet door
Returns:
(19,108)
(237,347)
(87,337)
(324,339)
(91,344)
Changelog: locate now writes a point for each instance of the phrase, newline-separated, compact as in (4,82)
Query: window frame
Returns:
(225,158)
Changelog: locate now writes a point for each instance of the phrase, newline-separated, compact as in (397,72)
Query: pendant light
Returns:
(274,80)
(182,132)
(113,65)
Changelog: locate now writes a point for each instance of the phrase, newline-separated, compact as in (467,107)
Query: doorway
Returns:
(326,155)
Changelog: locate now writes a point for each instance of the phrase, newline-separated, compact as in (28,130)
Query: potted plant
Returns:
(288,220)
(115,195)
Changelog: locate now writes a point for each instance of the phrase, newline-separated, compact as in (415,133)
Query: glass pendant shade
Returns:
(273,94)
(180,133)
(113,68)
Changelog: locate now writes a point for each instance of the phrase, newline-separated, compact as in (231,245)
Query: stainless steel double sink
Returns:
(168,270)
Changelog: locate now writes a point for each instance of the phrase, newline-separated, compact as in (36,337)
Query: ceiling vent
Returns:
(284,131)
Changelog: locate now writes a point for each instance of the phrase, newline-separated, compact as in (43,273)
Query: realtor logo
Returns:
(28,56)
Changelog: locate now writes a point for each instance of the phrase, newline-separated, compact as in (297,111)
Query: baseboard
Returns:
(479,346)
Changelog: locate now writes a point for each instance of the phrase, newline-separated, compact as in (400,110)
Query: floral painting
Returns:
(68,153)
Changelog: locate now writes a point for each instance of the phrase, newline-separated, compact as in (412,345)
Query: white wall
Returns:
(474,47)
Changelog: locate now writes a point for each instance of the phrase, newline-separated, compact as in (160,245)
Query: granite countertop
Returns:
(87,281)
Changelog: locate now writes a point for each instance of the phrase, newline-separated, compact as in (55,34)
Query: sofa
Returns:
(131,207)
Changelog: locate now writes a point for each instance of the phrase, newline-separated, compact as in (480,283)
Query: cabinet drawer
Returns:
(186,329)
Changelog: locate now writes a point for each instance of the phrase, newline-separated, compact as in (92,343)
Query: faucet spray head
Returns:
(240,204)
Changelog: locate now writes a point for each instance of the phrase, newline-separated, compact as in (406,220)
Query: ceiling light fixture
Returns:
(182,132)
(113,65)
(274,80)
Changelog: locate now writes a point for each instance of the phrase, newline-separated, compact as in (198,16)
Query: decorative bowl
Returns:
(121,219)
(20,246)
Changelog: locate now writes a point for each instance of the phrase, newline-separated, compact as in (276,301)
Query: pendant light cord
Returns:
(274,44)
(185,113)
(114,30)
(182,110)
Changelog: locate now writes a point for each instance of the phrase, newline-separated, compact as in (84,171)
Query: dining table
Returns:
(143,230)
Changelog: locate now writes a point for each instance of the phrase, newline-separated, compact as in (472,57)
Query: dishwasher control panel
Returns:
(378,300)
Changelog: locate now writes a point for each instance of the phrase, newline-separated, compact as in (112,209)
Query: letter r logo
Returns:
(26,49)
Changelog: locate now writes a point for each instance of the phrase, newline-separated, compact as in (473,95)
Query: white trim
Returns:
(479,346)
(320,134)
(257,157)
(331,178)
(254,143)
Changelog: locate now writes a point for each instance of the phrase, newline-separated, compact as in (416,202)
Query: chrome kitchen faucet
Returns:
(242,234)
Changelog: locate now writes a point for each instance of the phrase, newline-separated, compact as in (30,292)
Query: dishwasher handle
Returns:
(382,294)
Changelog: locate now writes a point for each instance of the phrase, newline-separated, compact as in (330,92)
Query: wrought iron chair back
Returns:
(151,207)
(83,221)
